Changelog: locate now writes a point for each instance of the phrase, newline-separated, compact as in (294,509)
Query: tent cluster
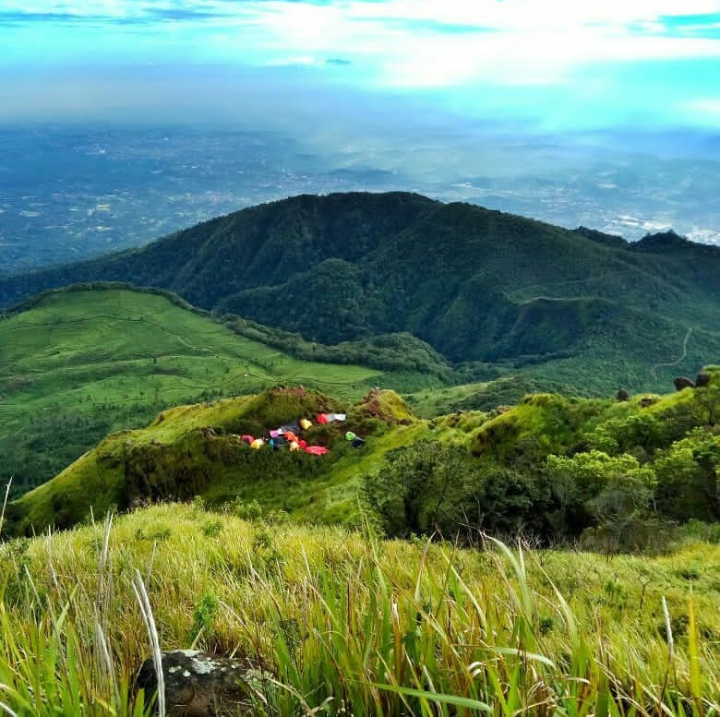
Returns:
(289,435)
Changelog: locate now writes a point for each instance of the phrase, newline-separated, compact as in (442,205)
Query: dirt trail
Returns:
(675,362)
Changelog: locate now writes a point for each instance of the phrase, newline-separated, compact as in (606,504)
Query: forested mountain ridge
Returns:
(478,285)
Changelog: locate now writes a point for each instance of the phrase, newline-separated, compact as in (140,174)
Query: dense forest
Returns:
(479,286)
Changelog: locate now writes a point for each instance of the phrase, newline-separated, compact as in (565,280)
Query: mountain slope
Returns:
(79,364)
(196,451)
(551,465)
(477,285)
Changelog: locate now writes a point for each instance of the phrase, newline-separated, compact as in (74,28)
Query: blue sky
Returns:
(554,63)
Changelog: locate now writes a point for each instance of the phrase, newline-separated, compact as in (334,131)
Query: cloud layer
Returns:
(416,45)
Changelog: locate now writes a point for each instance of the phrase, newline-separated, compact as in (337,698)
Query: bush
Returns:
(614,494)
(434,488)
(688,478)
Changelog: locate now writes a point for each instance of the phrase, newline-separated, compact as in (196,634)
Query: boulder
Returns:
(647,401)
(682,383)
(703,380)
(623,395)
(202,684)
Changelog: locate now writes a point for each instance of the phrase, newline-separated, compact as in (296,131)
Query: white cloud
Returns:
(417,43)
(710,106)
(429,42)
(296,60)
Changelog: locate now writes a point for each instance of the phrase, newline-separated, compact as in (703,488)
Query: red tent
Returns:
(316,450)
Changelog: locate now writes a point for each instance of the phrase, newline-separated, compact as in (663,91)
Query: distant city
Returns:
(69,192)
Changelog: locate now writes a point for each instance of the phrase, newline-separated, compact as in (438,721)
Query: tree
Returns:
(613,493)
(432,487)
(688,478)
(708,400)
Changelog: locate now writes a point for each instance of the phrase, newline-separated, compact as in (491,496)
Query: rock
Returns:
(703,380)
(201,684)
(623,395)
(647,402)
(682,383)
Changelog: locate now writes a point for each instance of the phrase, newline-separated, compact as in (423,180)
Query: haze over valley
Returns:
(71,191)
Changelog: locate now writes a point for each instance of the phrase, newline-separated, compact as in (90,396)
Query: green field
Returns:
(344,624)
(81,364)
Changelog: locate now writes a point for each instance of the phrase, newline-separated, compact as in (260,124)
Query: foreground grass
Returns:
(350,625)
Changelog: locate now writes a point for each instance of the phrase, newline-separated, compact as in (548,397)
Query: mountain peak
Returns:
(663,241)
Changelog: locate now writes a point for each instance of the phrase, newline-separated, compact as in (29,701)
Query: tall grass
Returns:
(346,624)
(4,504)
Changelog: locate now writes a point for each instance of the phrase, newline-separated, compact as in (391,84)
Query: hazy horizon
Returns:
(552,64)
(596,113)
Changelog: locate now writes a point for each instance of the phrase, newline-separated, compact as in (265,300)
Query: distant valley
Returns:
(71,192)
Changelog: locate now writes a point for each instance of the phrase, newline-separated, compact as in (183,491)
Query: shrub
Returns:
(431,487)
(688,478)
(613,493)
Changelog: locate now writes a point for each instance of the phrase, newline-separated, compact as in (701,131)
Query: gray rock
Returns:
(202,684)
(682,383)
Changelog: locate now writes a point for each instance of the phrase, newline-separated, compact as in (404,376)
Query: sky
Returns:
(550,64)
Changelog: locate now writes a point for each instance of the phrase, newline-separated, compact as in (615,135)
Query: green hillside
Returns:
(485,289)
(194,450)
(615,474)
(80,364)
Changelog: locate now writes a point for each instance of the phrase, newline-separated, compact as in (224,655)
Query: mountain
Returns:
(480,286)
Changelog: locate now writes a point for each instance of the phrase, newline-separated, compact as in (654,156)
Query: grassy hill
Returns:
(78,364)
(194,451)
(345,624)
(616,474)
(482,287)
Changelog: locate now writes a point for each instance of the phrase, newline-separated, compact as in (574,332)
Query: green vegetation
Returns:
(497,295)
(344,624)
(614,475)
(77,365)
(433,401)
(196,451)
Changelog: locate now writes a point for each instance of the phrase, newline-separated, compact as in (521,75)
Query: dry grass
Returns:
(352,625)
